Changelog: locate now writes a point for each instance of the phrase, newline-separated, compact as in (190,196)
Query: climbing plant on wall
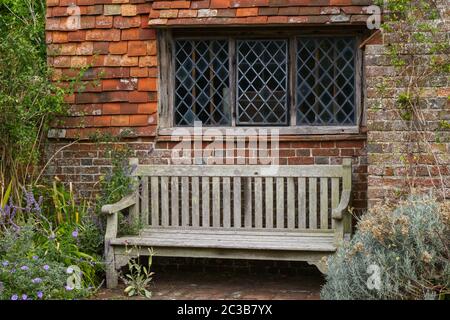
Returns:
(417,48)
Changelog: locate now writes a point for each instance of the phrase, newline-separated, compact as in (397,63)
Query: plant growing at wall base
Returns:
(118,182)
(139,277)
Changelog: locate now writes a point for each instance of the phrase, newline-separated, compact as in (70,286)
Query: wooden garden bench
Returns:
(233,211)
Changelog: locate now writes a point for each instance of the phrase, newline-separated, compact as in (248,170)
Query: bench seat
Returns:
(227,239)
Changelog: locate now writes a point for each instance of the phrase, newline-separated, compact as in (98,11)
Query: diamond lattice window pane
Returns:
(326,81)
(262,75)
(202,89)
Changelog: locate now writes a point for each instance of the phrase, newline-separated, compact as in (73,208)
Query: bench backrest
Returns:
(234,197)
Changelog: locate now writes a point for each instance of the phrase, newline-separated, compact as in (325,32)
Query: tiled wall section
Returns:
(120,49)
(244,12)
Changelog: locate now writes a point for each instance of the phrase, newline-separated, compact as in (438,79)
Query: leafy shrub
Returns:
(396,253)
(28,100)
(25,275)
(56,240)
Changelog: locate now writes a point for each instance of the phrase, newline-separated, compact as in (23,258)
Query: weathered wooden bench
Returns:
(239,212)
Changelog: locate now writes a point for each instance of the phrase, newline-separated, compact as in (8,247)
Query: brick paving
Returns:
(225,285)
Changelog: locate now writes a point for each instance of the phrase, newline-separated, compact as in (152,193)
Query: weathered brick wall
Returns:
(400,157)
(117,41)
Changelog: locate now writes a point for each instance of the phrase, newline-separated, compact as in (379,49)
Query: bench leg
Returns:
(112,276)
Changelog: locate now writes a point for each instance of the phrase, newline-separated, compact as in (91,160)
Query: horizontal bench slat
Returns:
(255,232)
(299,242)
(330,171)
(207,238)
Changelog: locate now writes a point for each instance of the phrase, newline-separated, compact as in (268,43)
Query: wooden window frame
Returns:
(166,78)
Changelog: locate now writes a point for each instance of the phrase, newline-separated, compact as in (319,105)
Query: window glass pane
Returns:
(326,81)
(262,82)
(202,90)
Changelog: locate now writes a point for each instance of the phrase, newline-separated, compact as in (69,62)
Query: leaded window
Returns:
(325,81)
(202,82)
(296,81)
(262,82)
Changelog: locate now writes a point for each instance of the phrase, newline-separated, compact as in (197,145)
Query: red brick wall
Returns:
(117,40)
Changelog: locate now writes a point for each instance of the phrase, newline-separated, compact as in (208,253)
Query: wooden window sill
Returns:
(285,133)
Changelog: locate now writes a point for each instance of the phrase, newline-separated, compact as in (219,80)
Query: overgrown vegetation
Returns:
(28,100)
(49,242)
(55,235)
(396,253)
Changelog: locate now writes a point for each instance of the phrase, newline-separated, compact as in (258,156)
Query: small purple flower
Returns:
(40,294)
(5,263)
(75,233)
(46,267)
(68,288)
(35,257)
(69,270)
(36,280)
(24,268)
(24,297)
(14,297)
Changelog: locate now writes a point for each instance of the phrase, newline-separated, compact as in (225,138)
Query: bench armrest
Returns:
(345,200)
(124,203)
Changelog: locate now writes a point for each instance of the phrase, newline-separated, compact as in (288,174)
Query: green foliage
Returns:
(406,247)
(138,278)
(28,100)
(419,49)
(65,239)
(28,272)
(405,103)
(65,208)
(118,182)
(444,125)
(91,235)
(128,227)
(4,195)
